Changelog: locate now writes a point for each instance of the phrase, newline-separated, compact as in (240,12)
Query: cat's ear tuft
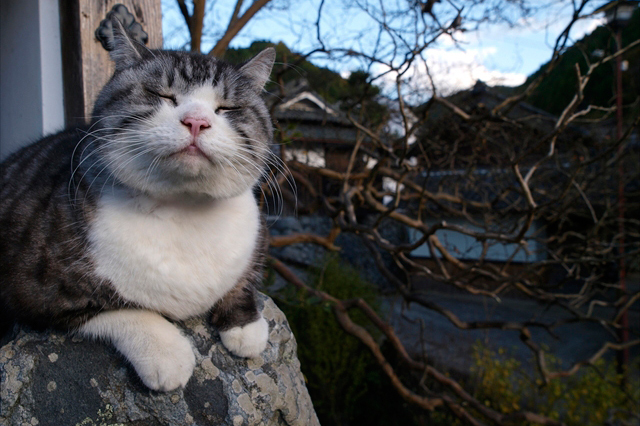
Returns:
(258,69)
(125,51)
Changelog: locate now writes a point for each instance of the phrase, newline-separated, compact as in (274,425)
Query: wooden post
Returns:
(86,64)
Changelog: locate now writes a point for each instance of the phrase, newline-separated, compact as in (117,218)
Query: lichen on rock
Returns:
(47,378)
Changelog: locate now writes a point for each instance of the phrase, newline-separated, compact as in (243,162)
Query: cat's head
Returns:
(171,123)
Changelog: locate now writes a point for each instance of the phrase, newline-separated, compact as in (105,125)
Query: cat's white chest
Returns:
(175,259)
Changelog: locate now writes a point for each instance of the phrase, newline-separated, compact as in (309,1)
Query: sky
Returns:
(498,54)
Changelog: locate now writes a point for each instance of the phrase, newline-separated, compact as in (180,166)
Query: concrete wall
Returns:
(31,102)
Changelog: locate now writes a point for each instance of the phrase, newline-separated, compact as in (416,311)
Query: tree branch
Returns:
(235,26)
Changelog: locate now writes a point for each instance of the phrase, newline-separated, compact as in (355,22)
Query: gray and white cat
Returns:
(147,214)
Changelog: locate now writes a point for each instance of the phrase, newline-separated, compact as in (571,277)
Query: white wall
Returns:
(31,103)
(312,157)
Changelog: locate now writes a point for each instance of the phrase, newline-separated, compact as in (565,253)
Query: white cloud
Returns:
(586,26)
(452,70)
(500,55)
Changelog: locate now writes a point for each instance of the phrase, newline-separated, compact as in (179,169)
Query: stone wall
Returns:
(49,378)
(353,250)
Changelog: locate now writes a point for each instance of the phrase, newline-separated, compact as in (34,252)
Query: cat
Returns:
(146,215)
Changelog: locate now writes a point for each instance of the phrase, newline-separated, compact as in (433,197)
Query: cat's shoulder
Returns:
(45,155)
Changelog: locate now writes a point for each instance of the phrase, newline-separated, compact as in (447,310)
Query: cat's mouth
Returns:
(191,150)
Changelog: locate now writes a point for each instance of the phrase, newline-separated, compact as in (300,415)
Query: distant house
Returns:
(476,167)
(317,133)
(31,83)
(312,132)
(444,133)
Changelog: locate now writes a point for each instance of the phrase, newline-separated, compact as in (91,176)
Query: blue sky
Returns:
(498,54)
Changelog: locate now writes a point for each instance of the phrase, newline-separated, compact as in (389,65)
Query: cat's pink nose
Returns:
(196,124)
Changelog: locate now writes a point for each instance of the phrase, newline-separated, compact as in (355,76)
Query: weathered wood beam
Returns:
(86,65)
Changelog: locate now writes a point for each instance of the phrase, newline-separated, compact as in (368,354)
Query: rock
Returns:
(283,225)
(279,284)
(353,250)
(300,254)
(50,378)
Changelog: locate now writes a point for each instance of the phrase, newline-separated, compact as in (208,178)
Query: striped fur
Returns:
(53,191)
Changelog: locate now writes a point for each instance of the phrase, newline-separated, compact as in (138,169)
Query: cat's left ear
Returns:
(258,69)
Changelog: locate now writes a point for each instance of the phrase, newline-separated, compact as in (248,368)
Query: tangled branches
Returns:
(495,196)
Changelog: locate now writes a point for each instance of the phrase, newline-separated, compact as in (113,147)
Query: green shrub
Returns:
(344,380)
(592,396)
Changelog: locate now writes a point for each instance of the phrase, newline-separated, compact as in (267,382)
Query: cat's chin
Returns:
(196,190)
(183,199)
(190,163)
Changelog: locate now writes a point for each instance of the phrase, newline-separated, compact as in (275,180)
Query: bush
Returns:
(344,380)
(593,396)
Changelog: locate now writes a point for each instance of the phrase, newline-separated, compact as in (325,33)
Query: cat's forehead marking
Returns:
(186,71)
(206,93)
(199,70)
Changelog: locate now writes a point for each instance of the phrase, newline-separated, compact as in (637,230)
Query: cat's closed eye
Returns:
(223,109)
(165,96)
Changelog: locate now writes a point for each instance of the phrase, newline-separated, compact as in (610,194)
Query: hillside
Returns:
(557,90)
(352,93)
(329,84)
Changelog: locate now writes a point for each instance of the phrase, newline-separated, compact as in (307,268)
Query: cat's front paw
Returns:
(247,341)
(167,365)
(160,354)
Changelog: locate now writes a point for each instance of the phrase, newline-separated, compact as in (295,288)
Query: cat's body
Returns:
(206,247)
(149,213)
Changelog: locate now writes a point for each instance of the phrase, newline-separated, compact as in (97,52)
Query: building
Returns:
(52,66)
(476,166)
(310,132)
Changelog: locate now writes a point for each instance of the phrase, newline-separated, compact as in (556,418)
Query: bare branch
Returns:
(197,21)
(235,25)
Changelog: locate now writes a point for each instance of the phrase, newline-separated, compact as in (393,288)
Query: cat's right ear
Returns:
(125,51)
(258,69)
